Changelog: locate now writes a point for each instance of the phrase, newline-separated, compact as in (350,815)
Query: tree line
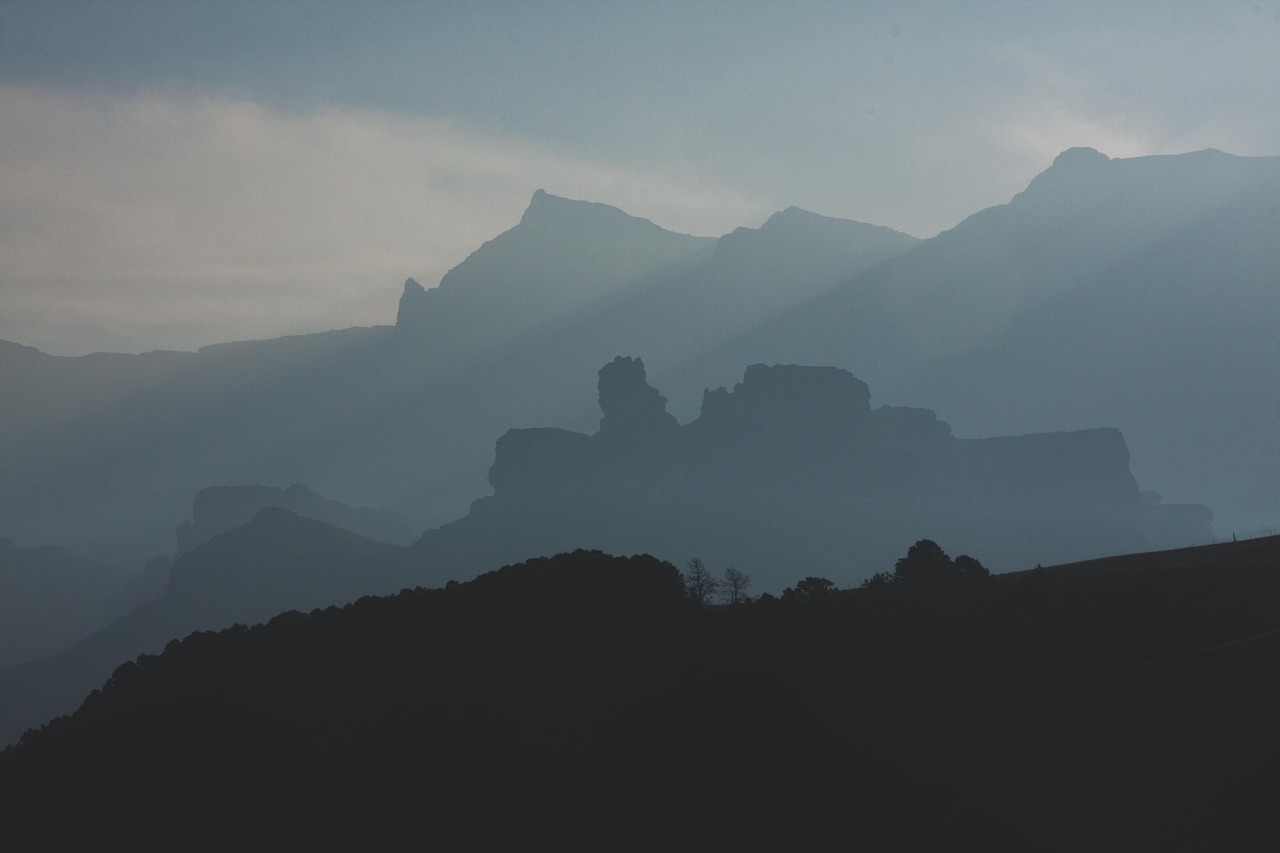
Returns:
(925,565)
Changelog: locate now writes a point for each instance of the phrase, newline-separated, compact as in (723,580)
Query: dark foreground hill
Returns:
(585,700)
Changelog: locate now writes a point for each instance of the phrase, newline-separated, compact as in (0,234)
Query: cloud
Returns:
(174,220)
(1198,77)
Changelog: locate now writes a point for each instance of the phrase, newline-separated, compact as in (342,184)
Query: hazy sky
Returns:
(177,174)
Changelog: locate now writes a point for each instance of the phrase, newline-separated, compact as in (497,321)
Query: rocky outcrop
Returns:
(792,473)
(788,400)
(632,408)
(414,307)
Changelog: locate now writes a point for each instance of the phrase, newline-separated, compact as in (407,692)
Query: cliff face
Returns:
(792,473)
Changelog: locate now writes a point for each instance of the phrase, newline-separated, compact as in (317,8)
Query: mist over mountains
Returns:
(1116,323)
(792,468)
(1129,293)
(1136,293)
(1098,358)
(104,453)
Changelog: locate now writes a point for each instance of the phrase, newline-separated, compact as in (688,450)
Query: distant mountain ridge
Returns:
(1136,292)
(562,255)
(217,509)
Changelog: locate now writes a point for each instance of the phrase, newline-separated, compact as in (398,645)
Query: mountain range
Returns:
(1106,340)
(1134,293)
(1125,306)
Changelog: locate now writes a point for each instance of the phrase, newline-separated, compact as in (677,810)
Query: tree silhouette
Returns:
(809,589)
(698,582)
(925,562)
(733,586)
(970,569)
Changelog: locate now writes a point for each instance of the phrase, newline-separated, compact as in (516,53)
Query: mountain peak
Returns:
(1079,173)
(550,210)
(796,215)
(1080,157)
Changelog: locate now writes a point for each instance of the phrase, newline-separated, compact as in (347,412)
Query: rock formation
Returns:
(792,473)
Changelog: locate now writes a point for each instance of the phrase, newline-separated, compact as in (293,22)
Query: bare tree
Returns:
(733,586)
(698,583)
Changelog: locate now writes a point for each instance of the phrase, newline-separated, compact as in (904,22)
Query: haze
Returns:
(175,174)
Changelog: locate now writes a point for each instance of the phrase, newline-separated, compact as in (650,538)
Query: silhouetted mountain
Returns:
(1063,709)
(791,468)
(49,599)
(563,254)
(278,561)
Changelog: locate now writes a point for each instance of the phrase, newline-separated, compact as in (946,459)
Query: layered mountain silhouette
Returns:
(792,468)
(1130,292)
(1135,293)
(50,598)
(102,452)
(1113,324)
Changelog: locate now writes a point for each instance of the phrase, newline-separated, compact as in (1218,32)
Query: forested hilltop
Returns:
(1124,704)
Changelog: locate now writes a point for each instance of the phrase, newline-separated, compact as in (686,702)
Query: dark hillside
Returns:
(1255,554)
(586,698)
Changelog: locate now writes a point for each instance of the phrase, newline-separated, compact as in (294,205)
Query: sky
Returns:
(175,174)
